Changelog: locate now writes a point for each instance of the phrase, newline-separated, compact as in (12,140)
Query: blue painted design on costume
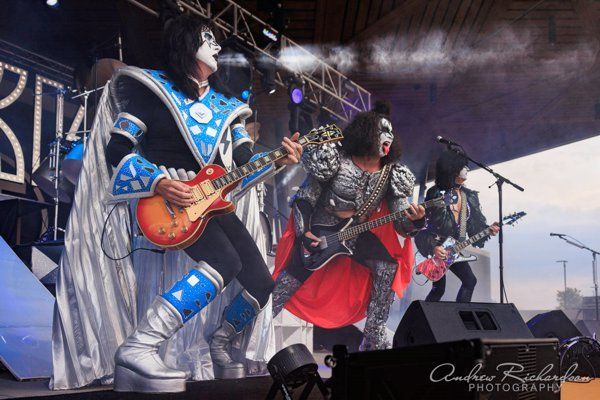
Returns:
(135,177)
(239,133)
(259,173)
(191,294)
(205,118)
(240,312)
(126,125)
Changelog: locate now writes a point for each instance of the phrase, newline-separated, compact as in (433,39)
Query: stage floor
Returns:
(247,389)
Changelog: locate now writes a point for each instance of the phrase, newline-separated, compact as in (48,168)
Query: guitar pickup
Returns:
(323,243)
(207,188)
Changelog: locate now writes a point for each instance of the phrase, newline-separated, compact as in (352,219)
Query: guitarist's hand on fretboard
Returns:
(415,212)
(494,229)
(294,150)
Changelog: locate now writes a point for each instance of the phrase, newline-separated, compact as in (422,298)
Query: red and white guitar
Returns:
(174,227)
(434,268)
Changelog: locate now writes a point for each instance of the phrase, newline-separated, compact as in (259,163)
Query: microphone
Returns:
(557,234)
(446,141)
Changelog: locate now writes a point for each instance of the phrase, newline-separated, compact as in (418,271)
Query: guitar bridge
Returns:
(170,209)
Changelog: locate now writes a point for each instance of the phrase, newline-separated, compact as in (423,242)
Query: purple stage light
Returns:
(296,95)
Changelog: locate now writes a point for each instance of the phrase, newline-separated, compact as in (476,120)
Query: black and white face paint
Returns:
(463,173)
(386,137)
(208,52)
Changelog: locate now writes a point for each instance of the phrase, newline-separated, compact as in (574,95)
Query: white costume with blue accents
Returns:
(204,123)
(100,300)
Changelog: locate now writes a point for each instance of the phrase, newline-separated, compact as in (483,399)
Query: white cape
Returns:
(98,301)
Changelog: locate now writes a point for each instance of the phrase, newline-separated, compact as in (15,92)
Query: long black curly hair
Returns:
(361,136)
(448,167)
(181,40)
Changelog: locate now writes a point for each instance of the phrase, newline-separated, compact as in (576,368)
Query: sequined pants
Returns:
(383,270)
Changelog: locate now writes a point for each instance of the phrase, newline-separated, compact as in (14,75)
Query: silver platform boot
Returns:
(285,287)
(242,310)
(382,296)
(138,366)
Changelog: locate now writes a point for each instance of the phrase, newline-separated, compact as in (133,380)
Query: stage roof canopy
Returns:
(503,78)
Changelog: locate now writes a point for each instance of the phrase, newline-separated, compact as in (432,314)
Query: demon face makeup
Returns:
(386,137)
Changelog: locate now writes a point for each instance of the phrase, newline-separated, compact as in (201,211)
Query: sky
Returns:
(562,195)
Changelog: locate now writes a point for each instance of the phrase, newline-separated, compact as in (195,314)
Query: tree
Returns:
(572,299)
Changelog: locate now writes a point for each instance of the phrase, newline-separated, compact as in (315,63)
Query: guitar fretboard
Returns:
(366,226)
(253,166)
(464,244)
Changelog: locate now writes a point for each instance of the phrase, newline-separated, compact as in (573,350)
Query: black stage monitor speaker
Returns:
(553,324)
(476,369)
(435,322)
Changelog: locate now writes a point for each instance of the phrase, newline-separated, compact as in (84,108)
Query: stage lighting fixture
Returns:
(301,119)
(246,94)
(270,34)
(292,367)
(295,90)
(52,3)
(267,67)
(235,69)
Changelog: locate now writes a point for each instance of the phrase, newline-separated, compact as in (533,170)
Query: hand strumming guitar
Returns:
(175,192)
(310,241)
(439,252)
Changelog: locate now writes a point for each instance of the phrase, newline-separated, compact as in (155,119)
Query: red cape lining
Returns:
(338,294)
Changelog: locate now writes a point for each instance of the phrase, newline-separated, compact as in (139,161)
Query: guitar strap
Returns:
(385,172)
(463,217)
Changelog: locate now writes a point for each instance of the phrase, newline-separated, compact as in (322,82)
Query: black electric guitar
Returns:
(333,237)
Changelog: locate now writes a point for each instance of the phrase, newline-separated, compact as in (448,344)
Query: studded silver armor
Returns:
(335,183)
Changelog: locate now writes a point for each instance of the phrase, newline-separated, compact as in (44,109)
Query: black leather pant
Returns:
(226,245)
(463,271)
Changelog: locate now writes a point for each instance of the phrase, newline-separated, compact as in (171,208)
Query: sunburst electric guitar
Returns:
(434,269)
(174,227)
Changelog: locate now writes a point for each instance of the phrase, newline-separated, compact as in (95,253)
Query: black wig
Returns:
(361,136)
(181,41)
(447,168)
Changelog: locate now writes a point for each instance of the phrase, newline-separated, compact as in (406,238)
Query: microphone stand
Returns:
(500,180)
(594,266)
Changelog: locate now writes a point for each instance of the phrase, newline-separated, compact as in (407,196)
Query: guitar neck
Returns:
(462,245)
(367,226)
(248,169)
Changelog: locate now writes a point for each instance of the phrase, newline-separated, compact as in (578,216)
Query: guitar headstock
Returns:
(513,218)
(323,134)
(447,199)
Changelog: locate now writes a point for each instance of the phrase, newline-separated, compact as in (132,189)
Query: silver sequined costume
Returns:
(334,184)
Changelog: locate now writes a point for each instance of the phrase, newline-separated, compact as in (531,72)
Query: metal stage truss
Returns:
(324,86)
